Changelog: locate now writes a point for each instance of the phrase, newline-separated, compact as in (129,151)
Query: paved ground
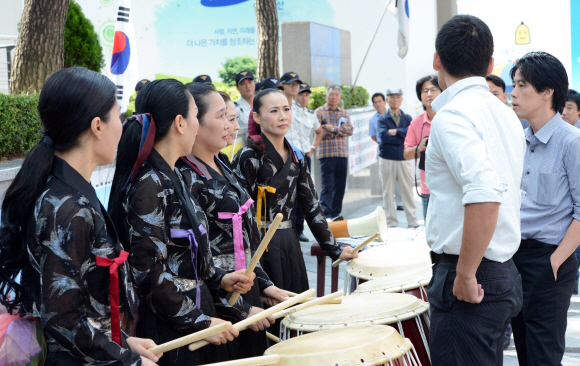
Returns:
(572,356)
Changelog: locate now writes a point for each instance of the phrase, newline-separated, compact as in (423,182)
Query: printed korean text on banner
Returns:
(362,150)
(124,68)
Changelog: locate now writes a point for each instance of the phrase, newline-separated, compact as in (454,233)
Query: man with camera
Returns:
(418,133)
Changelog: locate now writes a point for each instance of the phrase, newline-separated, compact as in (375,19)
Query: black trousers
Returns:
(540,328)
(468,334)
(333,172)
(299,216)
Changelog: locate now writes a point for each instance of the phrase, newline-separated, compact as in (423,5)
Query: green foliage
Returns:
(231,91)
(183,79)
(19,123)
(359,98)
(130,107)
(81,42)
(232,66)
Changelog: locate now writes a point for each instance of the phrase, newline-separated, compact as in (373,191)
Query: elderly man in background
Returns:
(333,152)
(393,167)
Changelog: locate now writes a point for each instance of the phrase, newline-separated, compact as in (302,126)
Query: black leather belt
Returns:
(535,244)
(448,258)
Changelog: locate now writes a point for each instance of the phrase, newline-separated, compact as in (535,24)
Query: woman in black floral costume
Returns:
(55,230)
(275,175)
(166,230)
(233,232)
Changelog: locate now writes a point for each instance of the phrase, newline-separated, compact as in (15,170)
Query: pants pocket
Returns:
(440,290)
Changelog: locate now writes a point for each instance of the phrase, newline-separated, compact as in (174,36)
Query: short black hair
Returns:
(377,95)
(465,46)
(573,96)
(496,80)
(419,87)
(544,71)
(431,78)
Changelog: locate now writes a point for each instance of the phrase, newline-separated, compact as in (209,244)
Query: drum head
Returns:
(398,282)
(363,309)
(391,258)
(368,345)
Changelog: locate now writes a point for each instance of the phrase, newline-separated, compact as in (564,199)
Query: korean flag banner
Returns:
(124,66)
(400,9)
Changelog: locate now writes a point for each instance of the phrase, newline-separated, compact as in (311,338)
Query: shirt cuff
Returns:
(576,213)
(476,193)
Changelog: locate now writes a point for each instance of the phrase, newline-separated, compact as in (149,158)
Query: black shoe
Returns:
(575,292)
(400,208)
(338,218)
(506,342)
(303,237)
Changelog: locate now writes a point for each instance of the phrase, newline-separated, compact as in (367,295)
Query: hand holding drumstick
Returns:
(223,337)
(238,281)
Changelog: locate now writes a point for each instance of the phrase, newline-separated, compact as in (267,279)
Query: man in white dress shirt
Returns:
(474,168)
(299,133)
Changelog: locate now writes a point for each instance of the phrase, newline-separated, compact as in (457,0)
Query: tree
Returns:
(267,22)
(232,66)
(40,47)
(81,42)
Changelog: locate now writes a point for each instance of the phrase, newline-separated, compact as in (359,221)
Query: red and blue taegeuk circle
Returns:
(121,53)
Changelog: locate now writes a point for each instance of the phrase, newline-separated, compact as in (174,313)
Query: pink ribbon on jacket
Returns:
(239,254)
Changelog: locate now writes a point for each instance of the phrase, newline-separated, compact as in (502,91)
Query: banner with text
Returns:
(362,150)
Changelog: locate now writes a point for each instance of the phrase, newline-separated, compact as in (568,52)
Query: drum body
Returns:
(371,345)
(393,258)
(406,313)
(410,282)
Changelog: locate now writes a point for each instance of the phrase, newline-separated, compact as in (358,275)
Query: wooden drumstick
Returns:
(318,301)
(331,301)
(259,252)
(357,249)
(262,315)
(272,337)
(254,361)
(193,337)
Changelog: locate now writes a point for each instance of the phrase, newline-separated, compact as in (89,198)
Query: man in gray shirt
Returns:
(550,210)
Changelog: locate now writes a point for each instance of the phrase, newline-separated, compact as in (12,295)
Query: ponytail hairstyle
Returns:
(163,100)
(255,140)
(200,92)
(69,101)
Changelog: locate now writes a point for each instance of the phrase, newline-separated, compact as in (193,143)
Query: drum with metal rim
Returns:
(412,282)
(370,345)
(406,313)
(387,260)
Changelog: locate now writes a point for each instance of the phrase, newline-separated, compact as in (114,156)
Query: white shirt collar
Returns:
(445,97)
(242,103)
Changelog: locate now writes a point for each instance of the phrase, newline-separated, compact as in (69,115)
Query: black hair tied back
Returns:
(70,99)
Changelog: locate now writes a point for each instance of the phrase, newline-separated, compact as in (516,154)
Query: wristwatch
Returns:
(332,128)
(312,147)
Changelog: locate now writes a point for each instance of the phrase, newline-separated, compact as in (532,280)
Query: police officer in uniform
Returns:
(246,86)
(204,79)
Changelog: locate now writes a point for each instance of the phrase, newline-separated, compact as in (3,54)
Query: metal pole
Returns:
(368,49)
(8,63)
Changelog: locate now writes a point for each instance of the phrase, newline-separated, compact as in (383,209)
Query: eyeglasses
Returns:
(432,90)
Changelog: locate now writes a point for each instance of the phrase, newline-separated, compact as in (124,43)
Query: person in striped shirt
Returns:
(333,151)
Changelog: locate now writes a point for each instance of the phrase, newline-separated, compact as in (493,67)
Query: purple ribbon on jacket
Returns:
(239,255)
(182,233)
